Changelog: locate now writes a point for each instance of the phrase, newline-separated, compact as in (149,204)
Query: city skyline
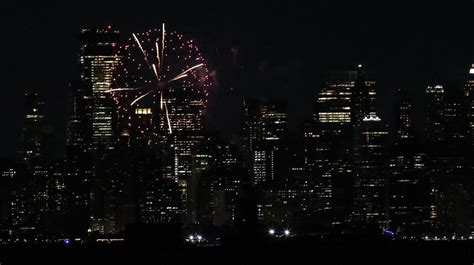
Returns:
(297,61)
(336,130)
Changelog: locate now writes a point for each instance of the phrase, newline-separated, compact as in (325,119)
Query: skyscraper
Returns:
(434,97)
(370,179)
(469,107)
(31,191)
(346,98)
(184,134)
(265,132)
(404,117)
(445,135)
(409,188)
(32,150)
(469,95)
(90,134)
(98,60)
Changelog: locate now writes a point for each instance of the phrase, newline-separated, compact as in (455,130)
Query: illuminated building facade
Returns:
(409,190)
(404,117)
(8,174)
(265,132)
(31,186)
(217,175)
(186,119)
(344,100)
(90,131)
(98,60)
(447,148)
(370,168)
(469,95)
(434,131)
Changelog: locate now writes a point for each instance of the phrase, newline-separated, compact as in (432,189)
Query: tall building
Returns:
(98,60)
(446,147)
(345,99)
(434,136)
(216,182)
(265,132)
(370,179)
(409,188)
(31,202)
(453,164)
(8,174)
(363,96)
(404,117)
(469,95)
(91,132)
(56,190)
(32,135)
(434,100)
(469,107)
(184,134)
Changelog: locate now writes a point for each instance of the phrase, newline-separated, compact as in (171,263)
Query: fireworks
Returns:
(155,63)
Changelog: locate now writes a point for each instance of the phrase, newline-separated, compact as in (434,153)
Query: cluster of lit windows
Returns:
(438,89)
(336,117)
(143,111)
(9,173)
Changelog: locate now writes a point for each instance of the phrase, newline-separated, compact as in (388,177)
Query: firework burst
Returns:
(155,63)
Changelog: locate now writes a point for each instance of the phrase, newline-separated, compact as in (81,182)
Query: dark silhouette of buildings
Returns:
(128,167)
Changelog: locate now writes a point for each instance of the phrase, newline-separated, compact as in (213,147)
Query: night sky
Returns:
(281,48)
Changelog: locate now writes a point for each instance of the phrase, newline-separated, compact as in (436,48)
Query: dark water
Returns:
(288,251)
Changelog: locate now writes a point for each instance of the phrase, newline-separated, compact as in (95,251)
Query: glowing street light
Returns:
(271,232)
(287,232)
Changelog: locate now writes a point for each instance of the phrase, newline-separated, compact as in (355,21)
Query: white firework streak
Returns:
(141,48)
(140,97)
(191,68)
(158,53)
(162,43)
(123,89)
(178,77)
(156,72)
(168,118)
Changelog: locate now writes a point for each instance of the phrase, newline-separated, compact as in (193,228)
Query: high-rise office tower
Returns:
(78,160)
(445,135)
(345,99)
(184,134)
(434,130)
(409,184)
(216,182)
(56,192)
(363,96)
(31,190)
(370,178)
(469,107)
(252,138)
(469,95)
(265,132)
(8,173)
(434,136)
(452,161)
(274,133)
(404,117)
(91,135)
(98,61)
(32,142)
(333,126)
